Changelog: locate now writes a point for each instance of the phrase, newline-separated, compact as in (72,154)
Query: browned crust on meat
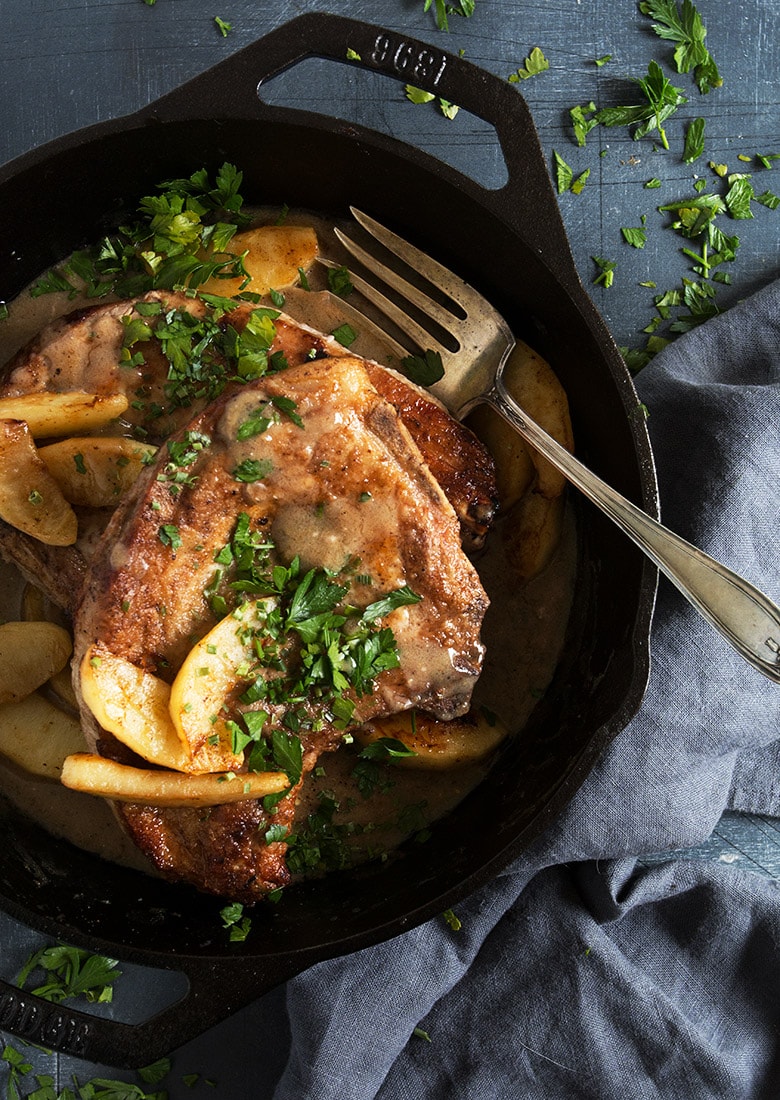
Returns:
(459,462)
(221,849)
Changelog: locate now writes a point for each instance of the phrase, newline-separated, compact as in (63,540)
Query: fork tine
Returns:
(361,320)
(438,313)
(416,333)
(437,274)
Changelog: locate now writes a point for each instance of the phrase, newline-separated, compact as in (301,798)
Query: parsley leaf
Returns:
(694,141)
(423,369)
(606,275)
(684,26)
(169,535)
(386,748)
(534,64)
(401,597)
(344,334)
(252,469)
(636,236)
(340,281)
(738,197)
(583,121)
(443,9)
(71,972)
(234,919)
(662,100)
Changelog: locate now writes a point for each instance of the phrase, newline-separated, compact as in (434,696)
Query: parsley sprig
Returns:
(70,972)
(204,353)
(172,241)
(662,99)
(315,652)
(683,25)
(443,10)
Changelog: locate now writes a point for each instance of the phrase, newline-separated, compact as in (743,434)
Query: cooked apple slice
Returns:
(95,470)
(29,654)
(37,736)
(212,673)
(134,705)
(532,533)
(275,254)
(535,386)
(436,745)
(30,498)
(51,414)
(96,775)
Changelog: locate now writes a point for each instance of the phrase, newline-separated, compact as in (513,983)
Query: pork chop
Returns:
(331,475)
(105,350)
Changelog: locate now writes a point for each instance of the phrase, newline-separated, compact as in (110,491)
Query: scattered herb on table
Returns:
(452,920)
(683,25)
(662,99)
(606,273)
(70,972)
(443,9)
(223,27)
(636,236)
(534,64)
(419,95)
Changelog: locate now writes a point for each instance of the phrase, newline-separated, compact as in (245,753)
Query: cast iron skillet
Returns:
(511,244)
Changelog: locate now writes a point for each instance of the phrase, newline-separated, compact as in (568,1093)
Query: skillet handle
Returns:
(527,202)
(217,989)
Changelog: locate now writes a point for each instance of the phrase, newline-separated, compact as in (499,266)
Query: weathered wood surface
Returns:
(64,66)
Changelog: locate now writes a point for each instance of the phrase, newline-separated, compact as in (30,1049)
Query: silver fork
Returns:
(473,374)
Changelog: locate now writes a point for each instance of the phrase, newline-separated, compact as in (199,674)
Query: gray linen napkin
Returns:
(579,972)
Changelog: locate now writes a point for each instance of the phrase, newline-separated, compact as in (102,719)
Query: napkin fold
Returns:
(579,971)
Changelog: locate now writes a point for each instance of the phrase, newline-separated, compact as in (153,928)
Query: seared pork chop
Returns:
(101,350)
(330,475)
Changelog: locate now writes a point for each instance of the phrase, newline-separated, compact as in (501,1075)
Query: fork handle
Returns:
(747,618)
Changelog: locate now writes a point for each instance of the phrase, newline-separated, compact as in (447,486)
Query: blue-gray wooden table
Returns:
(67,63)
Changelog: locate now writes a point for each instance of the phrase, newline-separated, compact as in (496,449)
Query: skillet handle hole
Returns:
(377,102)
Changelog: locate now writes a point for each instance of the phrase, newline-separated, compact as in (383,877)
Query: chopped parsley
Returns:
(169,535)
(534,64)
(386,748)
(340,281)
(236,921)
(423,369)
(70,972)
(583,121)
(311,652)
(683,25)
(253,469)
(321,843)
(165,245)
(662,99)
(345,335)
(564,176)
(694,141)
(418,95)
(183,454)
(443,9)
(636,236)
(606,273)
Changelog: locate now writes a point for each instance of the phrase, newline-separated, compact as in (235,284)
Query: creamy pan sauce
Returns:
(372,811)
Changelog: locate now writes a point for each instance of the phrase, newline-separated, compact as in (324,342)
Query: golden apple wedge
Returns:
(96,775)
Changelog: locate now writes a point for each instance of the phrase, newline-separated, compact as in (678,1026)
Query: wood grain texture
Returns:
(64,65)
